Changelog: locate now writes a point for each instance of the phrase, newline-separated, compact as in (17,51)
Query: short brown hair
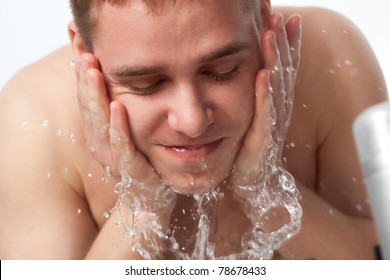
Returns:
(86,14)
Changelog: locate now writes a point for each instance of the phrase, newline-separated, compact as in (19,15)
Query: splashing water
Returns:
(273,188)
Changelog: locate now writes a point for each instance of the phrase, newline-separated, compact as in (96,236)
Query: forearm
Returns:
(113,242)
(327,233)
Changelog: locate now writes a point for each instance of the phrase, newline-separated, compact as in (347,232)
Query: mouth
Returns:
(193,151)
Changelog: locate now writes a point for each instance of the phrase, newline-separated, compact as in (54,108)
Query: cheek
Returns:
(240,106)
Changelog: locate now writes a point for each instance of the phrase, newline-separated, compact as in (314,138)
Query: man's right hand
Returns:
(108,137)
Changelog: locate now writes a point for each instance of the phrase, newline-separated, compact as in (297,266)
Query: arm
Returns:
(42,216)
(338,78)
(50,207)
(143,199)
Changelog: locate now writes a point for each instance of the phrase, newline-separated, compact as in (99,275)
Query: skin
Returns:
(67,179)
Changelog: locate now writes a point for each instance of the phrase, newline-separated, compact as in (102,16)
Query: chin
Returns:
(189,184)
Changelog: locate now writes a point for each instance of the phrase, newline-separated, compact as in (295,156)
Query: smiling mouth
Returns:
(182,149)
(193,151)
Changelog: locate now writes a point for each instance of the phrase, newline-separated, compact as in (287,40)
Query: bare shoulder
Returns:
(338,78)
(40,100)
(43,215)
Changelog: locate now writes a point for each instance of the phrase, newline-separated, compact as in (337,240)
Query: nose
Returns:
(190,113)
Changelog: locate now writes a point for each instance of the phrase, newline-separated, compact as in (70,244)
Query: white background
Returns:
(31,29)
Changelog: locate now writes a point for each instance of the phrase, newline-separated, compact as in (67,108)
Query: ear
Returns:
(265,12)
(76,41)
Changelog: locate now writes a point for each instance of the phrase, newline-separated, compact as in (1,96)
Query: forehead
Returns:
(179,28)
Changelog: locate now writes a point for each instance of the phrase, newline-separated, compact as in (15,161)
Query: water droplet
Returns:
(354,72)
(331,211)
(106,215)
(276,68)
(91,148)
(66,170)
(106,175)
(26,124)
(44,123)
(324,31)
(346,32)
(305,106)
(332,72)
(78,211)
(59,132)
(309,147)
(348,62)
(72,62)
(89,174)
(289,69)
(292,144)
(48,175)
(359,207)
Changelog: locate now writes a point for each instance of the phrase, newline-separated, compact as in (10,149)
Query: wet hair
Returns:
(86,13)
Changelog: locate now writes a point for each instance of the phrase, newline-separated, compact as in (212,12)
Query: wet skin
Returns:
(322,158)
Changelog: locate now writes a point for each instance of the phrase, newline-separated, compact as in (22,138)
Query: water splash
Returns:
(106,175)
(272,188)
(138,211)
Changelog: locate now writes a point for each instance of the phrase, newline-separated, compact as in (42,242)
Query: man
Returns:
(167,97)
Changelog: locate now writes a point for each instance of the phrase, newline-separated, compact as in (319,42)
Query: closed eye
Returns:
(224,76)
(145,90)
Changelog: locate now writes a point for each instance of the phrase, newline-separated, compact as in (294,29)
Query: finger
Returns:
(277,25)
(294,35)
(94,106)
(119,137)
(273,64)
(128,159)
(83,100)
(96,94)
(262,120)
(255,142)
(98,103)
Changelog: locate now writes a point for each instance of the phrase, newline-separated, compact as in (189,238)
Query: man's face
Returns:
(186,77)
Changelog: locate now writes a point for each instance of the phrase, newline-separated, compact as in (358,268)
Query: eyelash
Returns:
(216,77)
(148,90)
(221,77)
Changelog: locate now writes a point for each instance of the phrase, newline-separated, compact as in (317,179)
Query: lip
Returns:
(193,152)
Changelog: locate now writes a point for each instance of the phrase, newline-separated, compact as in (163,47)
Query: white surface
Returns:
(31,29)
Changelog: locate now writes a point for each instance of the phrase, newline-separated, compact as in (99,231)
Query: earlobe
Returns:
(76,41)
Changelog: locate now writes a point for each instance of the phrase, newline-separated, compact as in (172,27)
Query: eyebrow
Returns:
(125,71)
(230,49)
